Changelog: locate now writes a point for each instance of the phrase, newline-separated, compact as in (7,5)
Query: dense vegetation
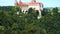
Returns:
(11,23)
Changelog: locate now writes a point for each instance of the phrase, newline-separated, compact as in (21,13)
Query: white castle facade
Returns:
(33,4)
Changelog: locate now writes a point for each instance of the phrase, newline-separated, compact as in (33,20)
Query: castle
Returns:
(33,4)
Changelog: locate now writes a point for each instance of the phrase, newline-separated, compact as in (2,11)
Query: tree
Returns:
(28,24)
(55,10)
(33,13)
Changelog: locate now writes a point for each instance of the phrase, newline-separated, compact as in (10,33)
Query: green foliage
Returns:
(11,23)
(55,10)
(44,12)
(33,13)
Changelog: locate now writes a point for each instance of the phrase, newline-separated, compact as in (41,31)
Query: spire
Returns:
(19,0)
(15,2)
(33,0)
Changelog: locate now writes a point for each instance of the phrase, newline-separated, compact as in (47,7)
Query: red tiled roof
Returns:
(33,3)
(22,4)
(26,4)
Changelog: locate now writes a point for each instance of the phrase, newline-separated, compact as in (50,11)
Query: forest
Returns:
(11,23)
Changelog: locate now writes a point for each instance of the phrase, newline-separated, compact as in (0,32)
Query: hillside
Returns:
(11,23)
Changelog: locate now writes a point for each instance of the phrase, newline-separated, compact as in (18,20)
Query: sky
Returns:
(46,3)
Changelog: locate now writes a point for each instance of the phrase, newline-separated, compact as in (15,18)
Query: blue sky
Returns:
(47,3)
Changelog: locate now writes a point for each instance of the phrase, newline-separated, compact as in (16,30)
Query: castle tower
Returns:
(26,5)
(33,0)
